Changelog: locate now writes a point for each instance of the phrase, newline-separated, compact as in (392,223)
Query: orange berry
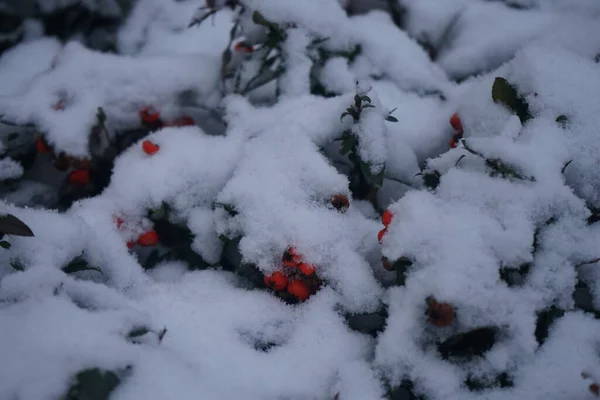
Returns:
(149,238)
(149,147)
(340,202)
(41,147)
(149,115)
(440,314)
(387,217)
(291,257)
(79,177)
(381,234)
(307,269)
(453,142)
(243,47)
(456,122)
(276,281)
(298,289)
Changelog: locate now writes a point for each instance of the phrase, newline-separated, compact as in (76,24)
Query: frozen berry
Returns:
(595,389)
(298,289)
(439,314)
(119,221)
(149,238)
(130,244)
(149,147)
(59,105)
(387,217)
(340,202)
(456,122)
(387,264)
(41,147)
(453,142)
(291,257)
(307,269)
(182,121)
(79,177)
(276,281)
(381,234)
(61,162)
(243,47)
(149,115)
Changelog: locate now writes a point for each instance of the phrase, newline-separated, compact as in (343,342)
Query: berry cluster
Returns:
(152,119)
(80,174)
(146,239)
(297,278)
(386,219)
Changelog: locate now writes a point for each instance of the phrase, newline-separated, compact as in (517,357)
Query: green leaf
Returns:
(391,119)
(345,114)
(366,98)
(11,225)
(137,332)
(260,19)
(79,264)
(373,179)
(348,143)
(4,244)
(12,136)
(504,93)
(93,384)
(227,207)
(17,265)
(368,106)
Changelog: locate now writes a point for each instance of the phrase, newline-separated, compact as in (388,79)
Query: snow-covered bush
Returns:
(315,199)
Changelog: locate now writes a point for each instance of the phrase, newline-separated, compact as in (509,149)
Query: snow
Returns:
(500,227)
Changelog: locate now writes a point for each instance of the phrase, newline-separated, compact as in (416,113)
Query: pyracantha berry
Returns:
(149,147)
(387,217)
(149,115)
(276,281)
(41,147)
(291,257)
(340,202)
(119,221)
(130,244)
(149,238)
(243,47)
(453,142)
(79,177)
(439,314)
(381,234)
(298,289)
(456,122)
(182,121)
(595,389)
(59,105)
(387,264)
(307,269)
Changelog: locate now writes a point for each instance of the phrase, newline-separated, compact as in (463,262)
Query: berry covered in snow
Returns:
(299,289)
(276,281)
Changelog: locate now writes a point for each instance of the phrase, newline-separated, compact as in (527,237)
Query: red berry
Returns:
(149,147)
(59,105)
(119,221)
(41,147)
(276,281)
(456,122)
(149,115)
(453,142)
(440,314)
(243,47)
(340,202)
(182,121)
(307,269)
(149,238)
(387,217)
(79,177)
(291,257)
(381,234)
(298,289)
(130,244)
(387,264)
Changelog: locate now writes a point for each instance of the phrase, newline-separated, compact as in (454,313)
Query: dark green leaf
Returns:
(79,264)
(12,136)
(93,384)
(345,114)
(401,266)
(391,119)
(348,143)
(504,93)
(368,106)
(564,168)
(137,332)
(365,98)
(370,323)
(562,120)
(11,225)
(469,344)
(545,319)
(17,265)
(4,244)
